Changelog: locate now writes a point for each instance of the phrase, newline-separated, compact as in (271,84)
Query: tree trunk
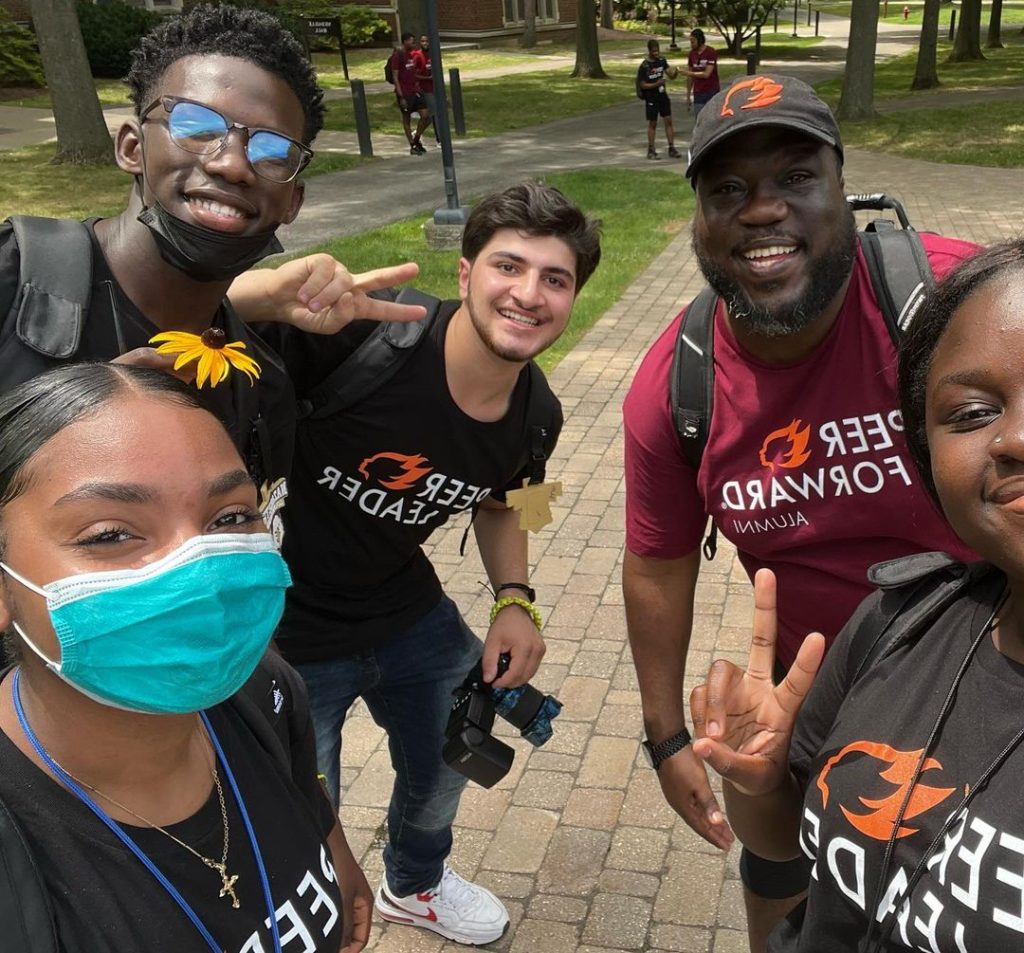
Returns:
(529,37)
(967,45)
(926,75)
(995,26)
(607,15)
(857,100)
(588,55)
(82,135)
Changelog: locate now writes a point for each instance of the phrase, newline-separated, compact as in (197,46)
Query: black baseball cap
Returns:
(764,100)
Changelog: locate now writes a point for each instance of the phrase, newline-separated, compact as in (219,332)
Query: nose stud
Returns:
(998,439)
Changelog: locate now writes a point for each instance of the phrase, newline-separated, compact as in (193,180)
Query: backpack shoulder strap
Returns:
(54,284)
(25,912)
(901,274)
(374,362)
(538,423)
(913,592)
(692,386)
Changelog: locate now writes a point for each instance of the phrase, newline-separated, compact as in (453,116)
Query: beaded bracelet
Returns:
(516,601)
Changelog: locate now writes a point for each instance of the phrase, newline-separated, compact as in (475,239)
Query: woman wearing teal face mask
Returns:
(159,765)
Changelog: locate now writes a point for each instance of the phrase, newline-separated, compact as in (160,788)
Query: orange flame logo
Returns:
(410,466)
(795,453)
(878,824)
(763,92)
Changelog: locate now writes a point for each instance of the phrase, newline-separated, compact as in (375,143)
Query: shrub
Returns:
(19,59)
(111,32)
(362,27)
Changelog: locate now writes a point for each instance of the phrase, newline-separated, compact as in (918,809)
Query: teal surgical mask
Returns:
(176,636)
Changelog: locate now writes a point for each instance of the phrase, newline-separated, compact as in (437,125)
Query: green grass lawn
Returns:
(1012,14)
(1003,67)
(962,134)
(111,92)
(640,216)
(30,185)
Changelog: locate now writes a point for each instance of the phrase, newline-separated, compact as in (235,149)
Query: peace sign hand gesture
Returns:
(742,721)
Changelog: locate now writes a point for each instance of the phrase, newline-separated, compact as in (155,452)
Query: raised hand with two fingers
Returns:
(743,722)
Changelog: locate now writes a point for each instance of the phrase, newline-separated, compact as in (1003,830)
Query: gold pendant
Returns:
(533,502)
(227,883)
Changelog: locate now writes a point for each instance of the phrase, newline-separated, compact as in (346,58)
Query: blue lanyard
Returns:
(120,834)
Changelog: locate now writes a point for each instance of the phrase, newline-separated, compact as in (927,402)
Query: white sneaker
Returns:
(455,908)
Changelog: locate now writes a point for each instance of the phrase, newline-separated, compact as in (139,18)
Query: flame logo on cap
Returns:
(764,91)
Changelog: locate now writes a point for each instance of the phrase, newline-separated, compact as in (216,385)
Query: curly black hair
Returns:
(918,347)
(227,31)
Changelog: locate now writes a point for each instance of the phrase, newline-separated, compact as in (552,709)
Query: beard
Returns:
(826,273)
(484,332)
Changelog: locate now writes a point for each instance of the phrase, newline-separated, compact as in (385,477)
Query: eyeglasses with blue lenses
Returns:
(204,131)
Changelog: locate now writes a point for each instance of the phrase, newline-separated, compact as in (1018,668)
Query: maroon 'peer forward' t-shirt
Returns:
(805,471)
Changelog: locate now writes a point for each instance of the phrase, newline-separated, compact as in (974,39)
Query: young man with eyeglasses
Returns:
(227,106)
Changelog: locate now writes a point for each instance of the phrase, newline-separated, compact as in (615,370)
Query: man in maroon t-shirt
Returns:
(425,76)
(701,73)
(805,468)
(408,93)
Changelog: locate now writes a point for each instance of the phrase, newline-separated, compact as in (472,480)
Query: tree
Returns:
(926,75)
(588,55)
(607,15)
(857,100)
(737,20)
(528,39)
(82,135)
(995,26)
(967,45)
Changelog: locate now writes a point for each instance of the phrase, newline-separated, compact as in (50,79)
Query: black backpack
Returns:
(901,277)
(381,356)
(640,91)
(25,912)
(389,70)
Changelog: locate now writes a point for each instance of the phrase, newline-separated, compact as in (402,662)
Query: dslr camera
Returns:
(470,748)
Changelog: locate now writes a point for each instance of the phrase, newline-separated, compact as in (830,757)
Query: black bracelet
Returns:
(531,594)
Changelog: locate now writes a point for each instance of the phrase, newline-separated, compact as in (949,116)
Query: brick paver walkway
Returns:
(577,839)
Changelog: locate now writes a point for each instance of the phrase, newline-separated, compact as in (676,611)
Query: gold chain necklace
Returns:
(228,881)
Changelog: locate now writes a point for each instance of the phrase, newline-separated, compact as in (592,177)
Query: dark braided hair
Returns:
(918,347)
(227,31)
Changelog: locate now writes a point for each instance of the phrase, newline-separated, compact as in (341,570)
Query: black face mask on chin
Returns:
(202,253)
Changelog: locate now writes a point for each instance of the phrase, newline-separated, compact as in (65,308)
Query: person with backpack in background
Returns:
(400,71)
(701,73)
(898,770)
(158,786)
(465,419)
(803,465)
(651,77)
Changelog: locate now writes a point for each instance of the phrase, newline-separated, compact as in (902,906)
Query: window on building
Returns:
(547,11)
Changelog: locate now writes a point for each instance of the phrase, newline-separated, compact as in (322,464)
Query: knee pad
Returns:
(775,880)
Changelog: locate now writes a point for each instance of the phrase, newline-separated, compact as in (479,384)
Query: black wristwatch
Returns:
(664,750)
(531,594)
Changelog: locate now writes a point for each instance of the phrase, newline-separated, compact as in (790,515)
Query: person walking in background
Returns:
(651,76)
(701,73)
(425,77)
(408,93)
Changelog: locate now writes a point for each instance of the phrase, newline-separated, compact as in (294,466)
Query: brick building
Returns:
(480,21)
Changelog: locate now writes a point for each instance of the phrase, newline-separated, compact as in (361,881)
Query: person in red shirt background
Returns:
(408,92)
(425,76)
(701,72)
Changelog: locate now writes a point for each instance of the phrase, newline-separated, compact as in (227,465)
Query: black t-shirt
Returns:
(105,901)
(260,417)
(854,757)
(369,485)
(653,71)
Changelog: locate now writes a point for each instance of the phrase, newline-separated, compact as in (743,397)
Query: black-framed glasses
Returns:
(203,131)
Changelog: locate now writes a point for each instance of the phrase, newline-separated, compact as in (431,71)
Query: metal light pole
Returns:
(453,213)
(672,8)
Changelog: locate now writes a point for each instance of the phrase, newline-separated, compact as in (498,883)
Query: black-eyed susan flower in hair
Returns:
(215,356)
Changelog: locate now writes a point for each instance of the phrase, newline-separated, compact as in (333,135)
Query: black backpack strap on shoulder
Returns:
(374,362)
(692,386)
(914,591)
(25,913)
(54,284)
(538,425)
(898,265)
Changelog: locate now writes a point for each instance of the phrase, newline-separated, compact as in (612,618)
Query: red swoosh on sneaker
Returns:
(429,915)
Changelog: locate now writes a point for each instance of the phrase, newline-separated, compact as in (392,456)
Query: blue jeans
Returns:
(700,100)
(407,685)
